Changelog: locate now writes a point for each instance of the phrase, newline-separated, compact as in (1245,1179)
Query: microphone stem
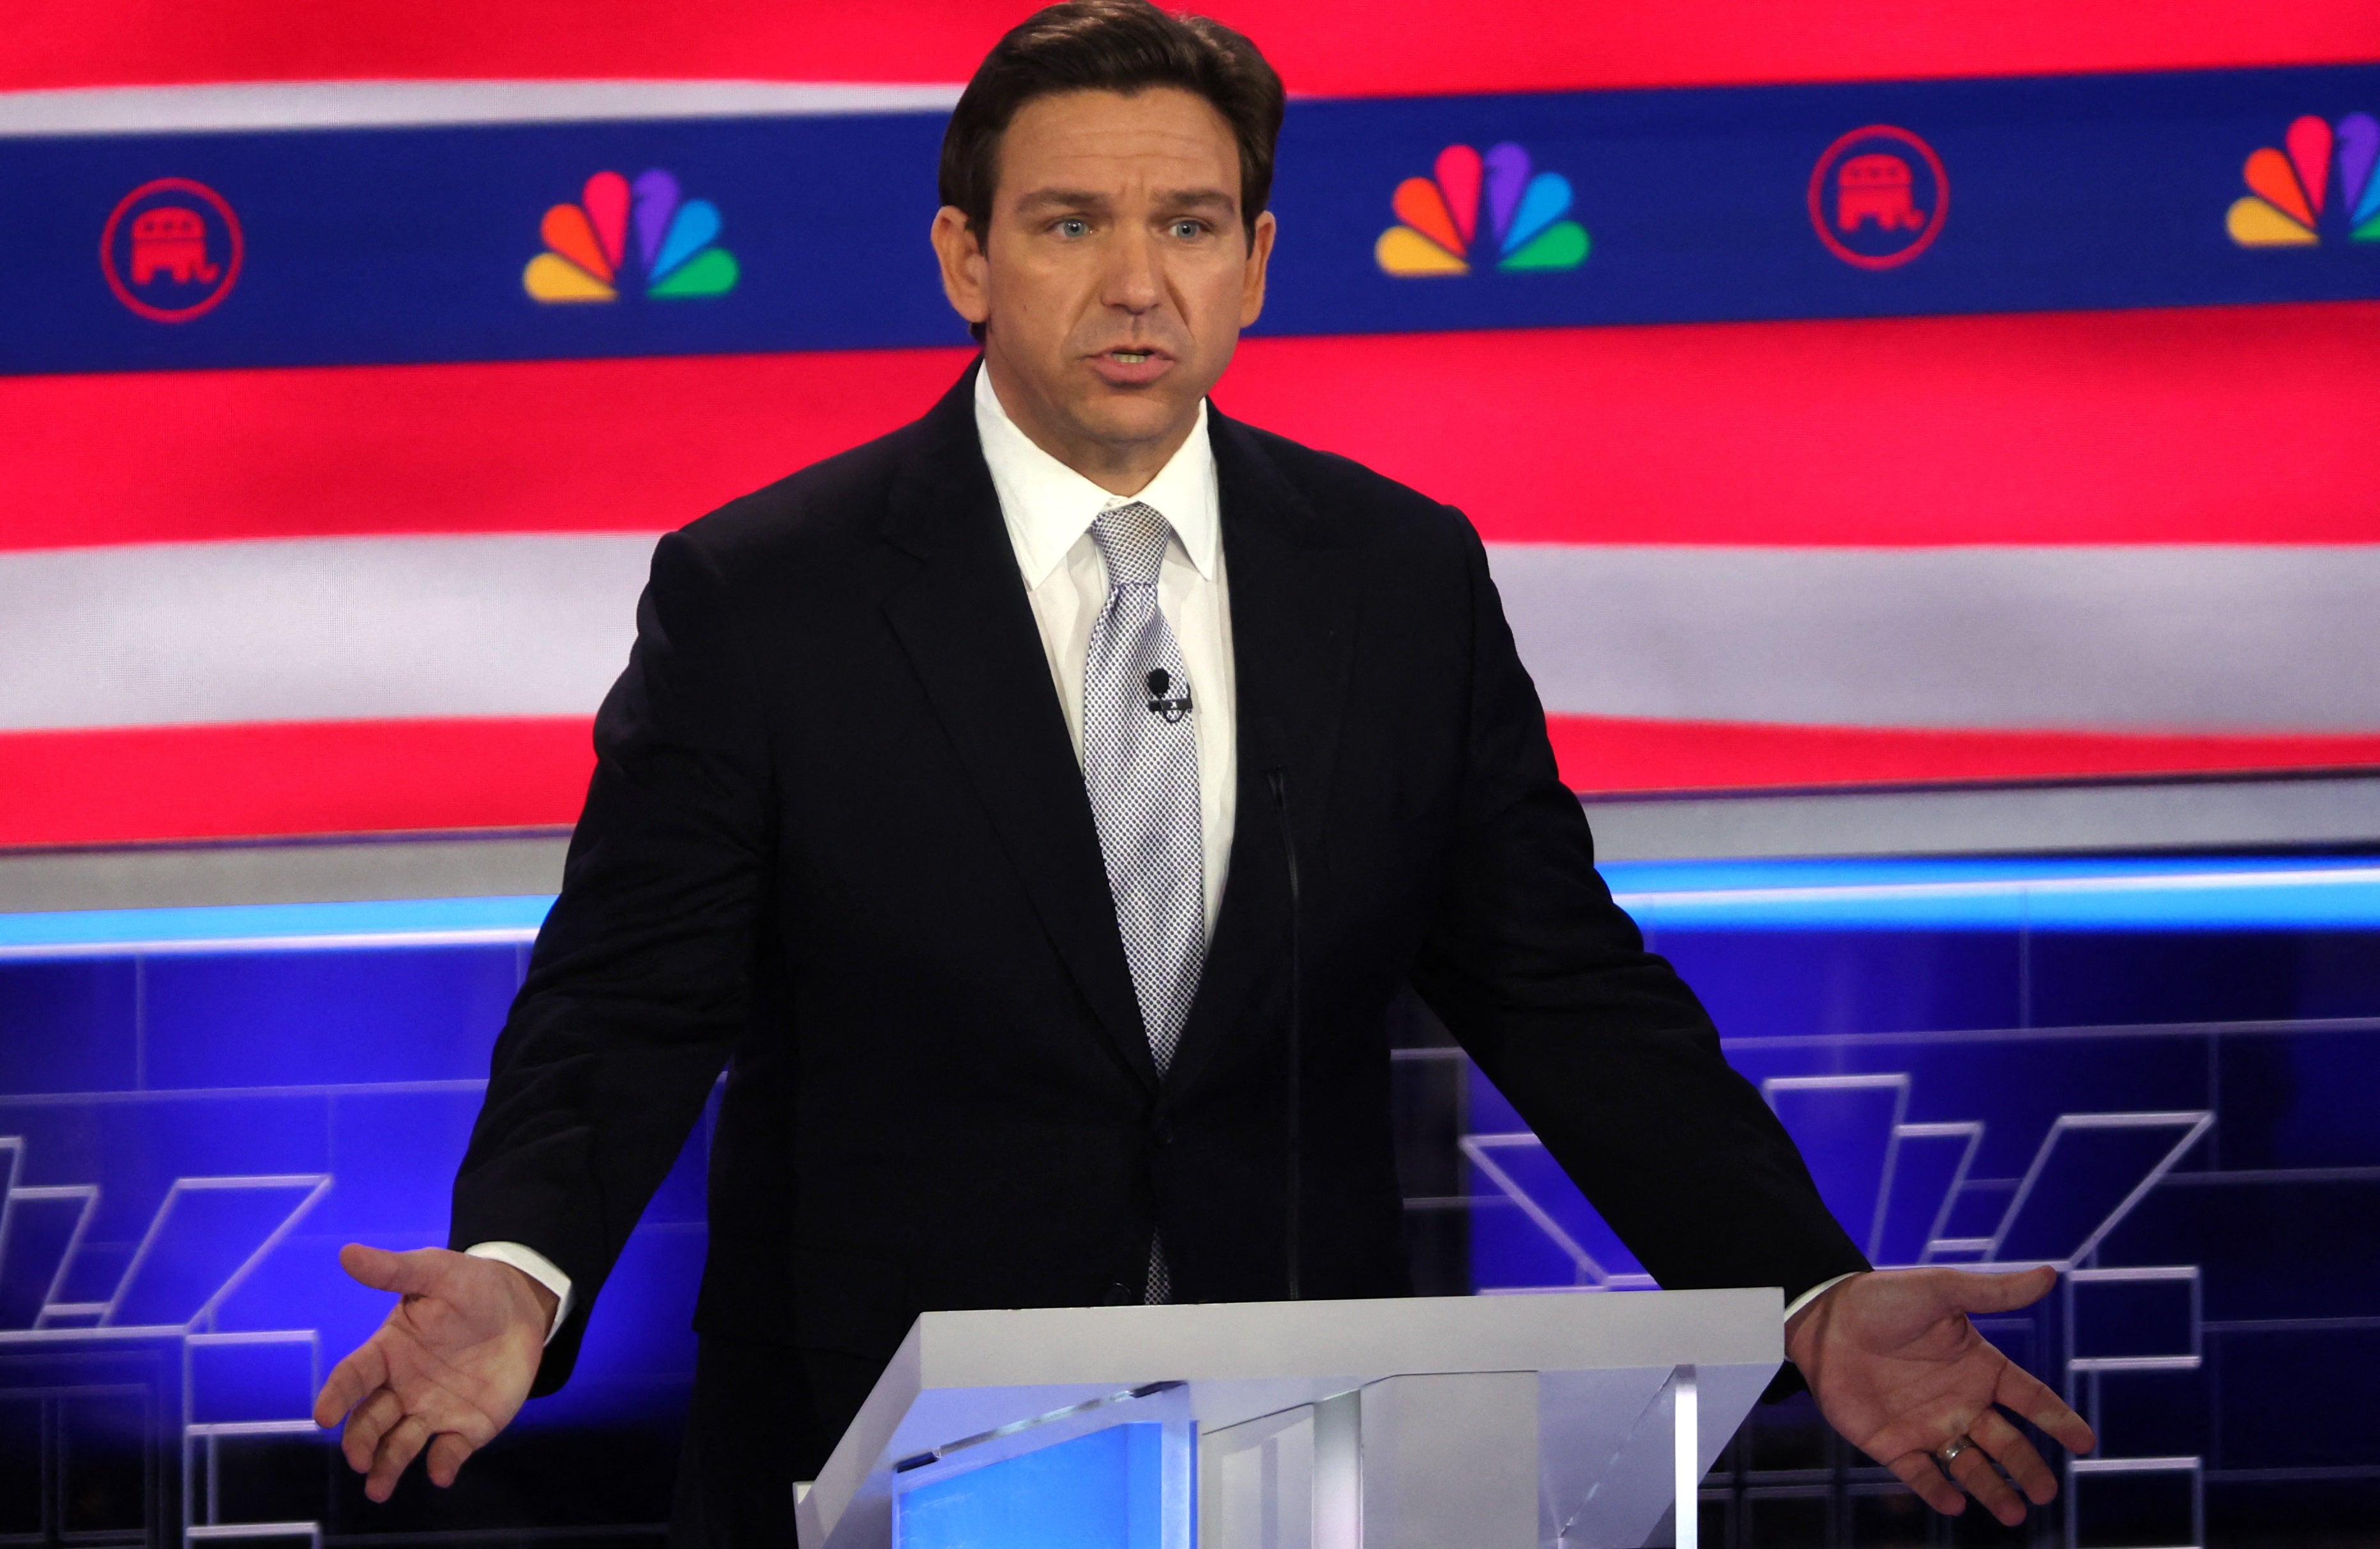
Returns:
(1278,779)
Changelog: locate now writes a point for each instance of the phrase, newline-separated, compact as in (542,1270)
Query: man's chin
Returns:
(1124,417)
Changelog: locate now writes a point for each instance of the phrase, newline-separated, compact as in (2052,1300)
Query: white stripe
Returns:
(2183,639)
(320,104)
(316,628)
(2203,638)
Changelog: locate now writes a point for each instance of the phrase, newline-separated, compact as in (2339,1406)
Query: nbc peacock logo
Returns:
(1441,232)
(2288,192)
(587,255)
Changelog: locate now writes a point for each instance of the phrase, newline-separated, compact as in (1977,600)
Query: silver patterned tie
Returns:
(1141,765)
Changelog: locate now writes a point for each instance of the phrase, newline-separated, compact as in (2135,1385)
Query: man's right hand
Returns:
(448,1369)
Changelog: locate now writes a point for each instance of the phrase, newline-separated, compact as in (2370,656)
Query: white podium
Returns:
(1570,1419)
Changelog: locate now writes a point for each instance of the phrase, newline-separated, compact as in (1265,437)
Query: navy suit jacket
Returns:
(837,842)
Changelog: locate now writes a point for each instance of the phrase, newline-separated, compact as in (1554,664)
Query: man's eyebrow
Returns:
(1169,198)
(1197,199)
(1062,199)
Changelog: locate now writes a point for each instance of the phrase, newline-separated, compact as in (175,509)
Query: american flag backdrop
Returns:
(1854,392)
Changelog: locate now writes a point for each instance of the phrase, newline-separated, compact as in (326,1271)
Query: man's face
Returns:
(1116,274)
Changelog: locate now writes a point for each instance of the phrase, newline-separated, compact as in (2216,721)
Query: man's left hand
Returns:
(1898,1369)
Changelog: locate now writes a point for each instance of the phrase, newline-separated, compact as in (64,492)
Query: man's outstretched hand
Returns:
(448,1369)
(1899,1372)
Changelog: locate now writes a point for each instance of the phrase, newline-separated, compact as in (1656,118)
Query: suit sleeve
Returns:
(642,976)
(1600,1046)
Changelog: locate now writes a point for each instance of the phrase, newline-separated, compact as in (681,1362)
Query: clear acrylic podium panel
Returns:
(1494,1422)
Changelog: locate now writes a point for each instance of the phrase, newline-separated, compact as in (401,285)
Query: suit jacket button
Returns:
(1163,1134)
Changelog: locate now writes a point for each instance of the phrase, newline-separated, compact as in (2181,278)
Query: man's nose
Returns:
(1135,280)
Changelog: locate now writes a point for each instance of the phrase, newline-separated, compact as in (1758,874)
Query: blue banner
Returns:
(147,252)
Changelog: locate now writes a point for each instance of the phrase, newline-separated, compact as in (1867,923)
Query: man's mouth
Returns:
(1131,366)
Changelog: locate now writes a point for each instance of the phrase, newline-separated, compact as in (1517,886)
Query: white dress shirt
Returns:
(1049,509)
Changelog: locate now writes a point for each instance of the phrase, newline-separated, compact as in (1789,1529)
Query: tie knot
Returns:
(1132,540)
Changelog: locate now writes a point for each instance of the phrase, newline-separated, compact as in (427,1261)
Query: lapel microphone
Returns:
(1158,681)
(1277,778)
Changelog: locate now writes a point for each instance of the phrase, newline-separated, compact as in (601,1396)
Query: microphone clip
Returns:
(1175,708)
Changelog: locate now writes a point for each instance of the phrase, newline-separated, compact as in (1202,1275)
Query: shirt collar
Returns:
(1049,506)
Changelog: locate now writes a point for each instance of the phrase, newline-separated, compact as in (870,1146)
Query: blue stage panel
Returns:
(1102,1491)
(2104,977)
(134,1145)
(1766,983)
(2015,1084)
(394,1150)
(299,1018)
(68,1026)
(2289,1396)
(2305,1100)
(2272,1245)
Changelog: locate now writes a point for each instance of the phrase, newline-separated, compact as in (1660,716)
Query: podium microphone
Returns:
(1277,778)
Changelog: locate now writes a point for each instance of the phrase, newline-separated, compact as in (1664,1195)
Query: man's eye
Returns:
(1189,230)
(1073,227)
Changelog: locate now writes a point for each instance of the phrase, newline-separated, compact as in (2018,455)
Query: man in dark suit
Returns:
(984,799)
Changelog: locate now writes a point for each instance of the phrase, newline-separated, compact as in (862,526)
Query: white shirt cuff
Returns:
(539,1268)
(1812,1294)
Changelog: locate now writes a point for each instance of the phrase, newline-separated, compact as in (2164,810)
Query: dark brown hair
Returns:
(1110,46)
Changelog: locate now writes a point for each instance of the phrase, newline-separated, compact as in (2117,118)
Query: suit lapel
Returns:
(1293,600)
(967,626)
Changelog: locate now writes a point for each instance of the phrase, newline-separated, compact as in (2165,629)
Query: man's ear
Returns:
(1252,284)
(967,277)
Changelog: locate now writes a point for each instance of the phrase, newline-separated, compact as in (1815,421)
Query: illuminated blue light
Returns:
(400,922)
(2190,893)
(1103,1491)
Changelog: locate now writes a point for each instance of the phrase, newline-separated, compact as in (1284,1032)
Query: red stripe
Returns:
(222,782)
(1324,47)
(2247,424)
(1613,755)
(563,445)
(336,777)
